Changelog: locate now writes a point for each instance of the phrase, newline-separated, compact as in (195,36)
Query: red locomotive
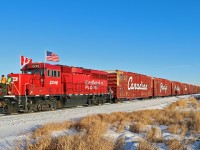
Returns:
(43,86)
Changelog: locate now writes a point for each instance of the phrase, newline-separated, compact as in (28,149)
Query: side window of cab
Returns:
(53,73)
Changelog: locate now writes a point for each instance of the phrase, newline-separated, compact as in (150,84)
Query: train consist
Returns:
(43,86)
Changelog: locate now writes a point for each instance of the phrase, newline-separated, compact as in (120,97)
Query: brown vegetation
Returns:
(154,135)
(119,144)
(175,145)
(144,145)
(91,129)
(136,127)
(48,128)
(174,129)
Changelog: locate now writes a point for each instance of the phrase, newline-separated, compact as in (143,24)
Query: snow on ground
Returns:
(16,127)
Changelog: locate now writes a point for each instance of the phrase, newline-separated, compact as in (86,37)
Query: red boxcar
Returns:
(128,85)
(162,87)
(186,89)
(177,88)
(195,89)
(190,89)
(198,89)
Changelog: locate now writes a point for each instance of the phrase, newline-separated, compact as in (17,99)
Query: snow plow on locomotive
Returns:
(43,86)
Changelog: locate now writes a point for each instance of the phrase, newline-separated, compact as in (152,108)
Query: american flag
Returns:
(52,57)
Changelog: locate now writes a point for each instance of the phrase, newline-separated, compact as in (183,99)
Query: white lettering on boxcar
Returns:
(135,86)
(176,88)
(163,88)
(185,88)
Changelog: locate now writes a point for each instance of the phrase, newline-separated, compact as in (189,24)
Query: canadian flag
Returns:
(25,60)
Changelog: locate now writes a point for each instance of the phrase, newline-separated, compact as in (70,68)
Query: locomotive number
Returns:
(54,82)
(35,66)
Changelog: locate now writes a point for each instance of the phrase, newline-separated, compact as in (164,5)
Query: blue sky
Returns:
(157,38)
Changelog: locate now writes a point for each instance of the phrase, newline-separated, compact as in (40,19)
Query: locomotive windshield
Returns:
(34,71)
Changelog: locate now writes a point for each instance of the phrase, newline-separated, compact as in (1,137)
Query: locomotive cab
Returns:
(32,89)
(36,79)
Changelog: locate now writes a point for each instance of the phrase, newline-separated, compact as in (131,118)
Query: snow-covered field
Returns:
(14,128)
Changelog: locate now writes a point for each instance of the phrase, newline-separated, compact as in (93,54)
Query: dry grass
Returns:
(164,117)
(154,135)
(192,100)
(175,145)
(181,104)
(143,116)
(93,126)
(121,126)
(40,144)
(194,103)
(196,122)
(119,144)
(136,127)
(144,145)
(81,142)
(114,117)
(174,129)
(91,129)
(48,128)
(183,130)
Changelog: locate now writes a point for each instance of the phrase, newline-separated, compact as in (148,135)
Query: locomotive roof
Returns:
(36,65)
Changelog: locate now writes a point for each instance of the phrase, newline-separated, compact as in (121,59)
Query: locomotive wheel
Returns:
(29,108)
(101,101)
(59,104)
(39,107)
(98,101)
(89,102)
(53,105)
(11,108)
(43,107)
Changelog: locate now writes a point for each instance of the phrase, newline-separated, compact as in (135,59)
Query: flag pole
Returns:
(20,78)
(44,69)
(45,60)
